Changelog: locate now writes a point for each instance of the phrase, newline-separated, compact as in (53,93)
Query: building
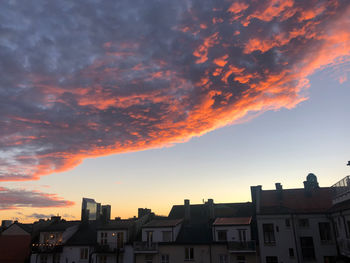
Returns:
(294,225)
(340,214)
(15,243)
(49,244)
(199,233)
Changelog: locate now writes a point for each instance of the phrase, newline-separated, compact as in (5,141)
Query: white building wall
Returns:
(112,237)
(289,237)
(158,233)
(232,232)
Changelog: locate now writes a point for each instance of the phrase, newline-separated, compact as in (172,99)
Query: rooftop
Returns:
(230,221)
(163,223)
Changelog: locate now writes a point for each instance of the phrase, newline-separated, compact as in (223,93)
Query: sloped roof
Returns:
(195,234)
(59,226)
(163,223)
(85,236)
(230,221)
(117,224)
(200,213)
(296,200)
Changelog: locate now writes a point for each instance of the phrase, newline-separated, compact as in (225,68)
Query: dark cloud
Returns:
(19,198)
(90,78)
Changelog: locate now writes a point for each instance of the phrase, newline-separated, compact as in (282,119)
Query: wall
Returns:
(158,235)
(112,240)
(232,232)
(287,238)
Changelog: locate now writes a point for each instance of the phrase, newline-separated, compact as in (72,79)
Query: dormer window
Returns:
(222,235)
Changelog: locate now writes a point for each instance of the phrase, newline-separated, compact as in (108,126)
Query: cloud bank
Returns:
(90,78)
(19,198)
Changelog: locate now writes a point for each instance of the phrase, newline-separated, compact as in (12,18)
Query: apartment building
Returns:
(295,225)
(209,232)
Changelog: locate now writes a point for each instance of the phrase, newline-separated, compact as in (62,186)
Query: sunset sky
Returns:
(146,103)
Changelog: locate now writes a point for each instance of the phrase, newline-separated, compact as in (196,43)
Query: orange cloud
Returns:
(171,83)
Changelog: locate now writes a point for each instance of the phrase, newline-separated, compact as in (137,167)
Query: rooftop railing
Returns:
(341,188)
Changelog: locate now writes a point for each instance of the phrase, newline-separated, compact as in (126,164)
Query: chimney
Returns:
(256,196)
(211,208)
(278,186)
(279,191)
(187,209)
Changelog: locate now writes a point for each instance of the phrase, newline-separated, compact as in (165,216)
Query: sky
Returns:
(147,103)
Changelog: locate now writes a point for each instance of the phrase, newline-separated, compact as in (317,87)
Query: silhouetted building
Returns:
(91,211)
(106,213)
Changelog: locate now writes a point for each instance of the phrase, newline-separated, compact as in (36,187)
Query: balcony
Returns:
(145,247)
(46,248)
(341,190)
(109,248)
(241,247)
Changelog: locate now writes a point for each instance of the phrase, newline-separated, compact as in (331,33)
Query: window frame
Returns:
(84,253)
(221,232)
(189,253)
(269,236)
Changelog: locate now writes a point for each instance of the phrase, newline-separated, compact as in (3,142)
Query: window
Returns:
(189,255)
(304,222)
(166,236)
(103,238)
(103,259)
(291,253)
(271,259)
(325,231)
(307,248)
(242,235)
(120,240)
(43,258)
(348,229)
(56,258)
(269,234)
(84,253)
(148,258)
(287,222)
(149,237)
(336,229)
(241,259)
(165,259)
(223,259)
(222,235)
